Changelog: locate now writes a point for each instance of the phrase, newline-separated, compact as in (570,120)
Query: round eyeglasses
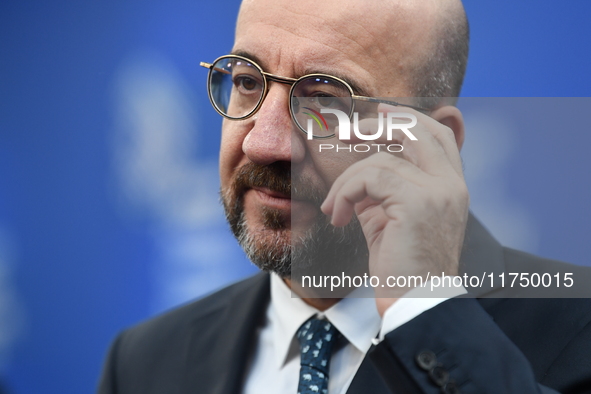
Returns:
(237,87)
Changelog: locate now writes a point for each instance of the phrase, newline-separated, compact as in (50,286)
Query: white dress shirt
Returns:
(275,365)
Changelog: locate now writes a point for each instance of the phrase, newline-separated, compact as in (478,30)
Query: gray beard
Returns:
(271,251)
(322,250)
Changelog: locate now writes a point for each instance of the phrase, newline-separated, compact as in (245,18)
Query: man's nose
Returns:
(273,136)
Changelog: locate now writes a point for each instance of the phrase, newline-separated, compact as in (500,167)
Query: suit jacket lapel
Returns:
(220,349)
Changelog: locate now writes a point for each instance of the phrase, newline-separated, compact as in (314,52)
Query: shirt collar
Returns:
(356,318)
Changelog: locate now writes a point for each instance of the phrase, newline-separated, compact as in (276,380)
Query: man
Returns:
(281,194)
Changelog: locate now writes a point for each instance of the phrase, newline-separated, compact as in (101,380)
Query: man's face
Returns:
(268,169)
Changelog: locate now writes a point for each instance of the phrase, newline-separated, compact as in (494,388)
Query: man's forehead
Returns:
(295,38)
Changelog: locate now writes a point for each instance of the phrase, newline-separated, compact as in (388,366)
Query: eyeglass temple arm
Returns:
(397,104)
(210,66)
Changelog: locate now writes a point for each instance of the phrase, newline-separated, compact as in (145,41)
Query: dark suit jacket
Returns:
(489,345)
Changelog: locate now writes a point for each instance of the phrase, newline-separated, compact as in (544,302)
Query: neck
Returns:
(321,304)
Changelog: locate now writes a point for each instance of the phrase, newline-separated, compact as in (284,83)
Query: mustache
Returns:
(278,178)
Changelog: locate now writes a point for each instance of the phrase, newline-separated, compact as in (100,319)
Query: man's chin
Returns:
(277,224)
(266,247)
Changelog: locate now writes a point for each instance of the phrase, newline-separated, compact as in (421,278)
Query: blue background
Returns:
(108,150)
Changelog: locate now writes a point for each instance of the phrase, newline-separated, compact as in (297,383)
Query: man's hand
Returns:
(413,206)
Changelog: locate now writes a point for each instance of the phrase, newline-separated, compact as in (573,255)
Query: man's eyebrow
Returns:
(357,90)
(248,55)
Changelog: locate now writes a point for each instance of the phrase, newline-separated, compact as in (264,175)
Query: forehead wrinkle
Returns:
(333,34)
(363,38)
(296,32)
(356,81)
(373,40)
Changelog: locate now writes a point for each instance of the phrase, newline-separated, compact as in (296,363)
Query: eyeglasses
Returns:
(237,87)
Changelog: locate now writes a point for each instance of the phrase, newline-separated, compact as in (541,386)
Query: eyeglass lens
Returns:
(313,94)
(236,87)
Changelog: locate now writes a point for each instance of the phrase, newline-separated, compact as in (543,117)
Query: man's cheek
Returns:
(253,211)
(304,215)
(331,164)
(231,154)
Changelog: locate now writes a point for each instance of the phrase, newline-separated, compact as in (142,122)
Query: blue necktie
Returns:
(316,340)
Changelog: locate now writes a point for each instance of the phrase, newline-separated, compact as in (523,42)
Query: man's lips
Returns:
(282,201)
(272,198)
(272,193)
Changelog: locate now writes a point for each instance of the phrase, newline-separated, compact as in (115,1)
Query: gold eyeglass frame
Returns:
(293,82)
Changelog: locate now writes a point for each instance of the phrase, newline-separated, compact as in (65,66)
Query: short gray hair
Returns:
(441,72)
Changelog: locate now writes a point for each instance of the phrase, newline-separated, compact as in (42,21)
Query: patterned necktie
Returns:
(316,340)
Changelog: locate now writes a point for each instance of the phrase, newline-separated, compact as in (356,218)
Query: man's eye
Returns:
(246,83)
(326,101)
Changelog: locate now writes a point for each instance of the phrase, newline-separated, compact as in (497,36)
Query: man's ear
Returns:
(451,117)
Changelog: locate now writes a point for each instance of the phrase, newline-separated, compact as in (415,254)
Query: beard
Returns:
(322,249)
